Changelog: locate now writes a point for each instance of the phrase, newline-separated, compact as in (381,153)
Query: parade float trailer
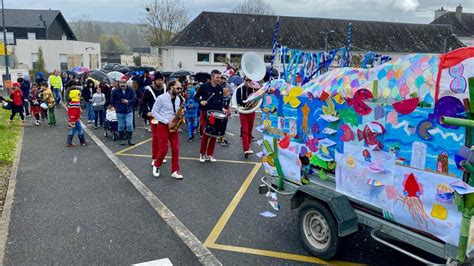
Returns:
(388,147)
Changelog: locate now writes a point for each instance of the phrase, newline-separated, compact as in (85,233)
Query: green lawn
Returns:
(8,137)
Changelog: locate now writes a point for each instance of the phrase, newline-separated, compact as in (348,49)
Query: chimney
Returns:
(459,12)
(440,12)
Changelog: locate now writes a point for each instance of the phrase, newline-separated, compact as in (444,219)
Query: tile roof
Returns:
(462,28)
(28,18)
(230,30)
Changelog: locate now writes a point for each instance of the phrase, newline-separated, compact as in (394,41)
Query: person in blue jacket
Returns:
(192,108)
(123,100)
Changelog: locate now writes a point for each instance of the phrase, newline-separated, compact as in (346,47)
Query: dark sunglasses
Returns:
(248,80)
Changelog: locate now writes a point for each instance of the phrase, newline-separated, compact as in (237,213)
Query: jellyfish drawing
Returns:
(411,199)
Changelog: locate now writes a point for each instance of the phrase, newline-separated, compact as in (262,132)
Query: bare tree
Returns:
(256,7)
(163,19)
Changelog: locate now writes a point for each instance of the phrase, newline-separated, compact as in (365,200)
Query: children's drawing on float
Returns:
(379,131)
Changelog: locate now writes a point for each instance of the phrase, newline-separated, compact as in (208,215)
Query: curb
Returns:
(203,254)
(5,220)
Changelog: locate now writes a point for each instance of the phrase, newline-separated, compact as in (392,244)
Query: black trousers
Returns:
(17,109)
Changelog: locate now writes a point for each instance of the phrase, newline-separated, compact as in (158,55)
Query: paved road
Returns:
(83,211)
(200,200)
(72,206)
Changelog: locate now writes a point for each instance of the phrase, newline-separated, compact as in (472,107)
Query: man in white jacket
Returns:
(164,110)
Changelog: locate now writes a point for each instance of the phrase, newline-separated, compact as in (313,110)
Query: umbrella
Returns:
(180,73)
(237,80)
(79,69)
(274,74)
(115,75)
(70,73)
(100,76)
(202,77)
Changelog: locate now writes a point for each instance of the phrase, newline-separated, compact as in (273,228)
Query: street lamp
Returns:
(7,73)
(326,34)
(445,40)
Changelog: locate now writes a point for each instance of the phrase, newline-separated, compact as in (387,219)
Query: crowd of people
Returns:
(162,106)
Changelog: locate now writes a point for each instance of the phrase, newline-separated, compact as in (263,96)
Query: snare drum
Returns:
(216,123)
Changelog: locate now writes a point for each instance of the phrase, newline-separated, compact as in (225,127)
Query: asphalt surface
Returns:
(72,206)
(55,197)
(207,189)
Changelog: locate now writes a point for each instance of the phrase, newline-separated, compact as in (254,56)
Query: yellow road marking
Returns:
(224,219)
(184,158)
(219,227)
(132,147)
(279,255)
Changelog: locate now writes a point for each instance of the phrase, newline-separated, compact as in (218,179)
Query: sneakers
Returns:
(202,158)
(153,162)
(212,159)
(247,153)
(176,175)
(156,171)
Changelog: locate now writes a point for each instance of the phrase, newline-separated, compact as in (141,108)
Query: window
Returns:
(10,38)
(287,58)
(203,57)
(31,35)
(235,58)
(267,58)
(34,60)
(63,62)
(219,58)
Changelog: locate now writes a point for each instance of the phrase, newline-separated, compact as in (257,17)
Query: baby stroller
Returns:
(111,124)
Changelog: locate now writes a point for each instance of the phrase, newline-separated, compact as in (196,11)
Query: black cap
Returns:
(158,75)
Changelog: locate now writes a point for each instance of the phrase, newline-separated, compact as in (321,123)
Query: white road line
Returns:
(203,254)
(162,262)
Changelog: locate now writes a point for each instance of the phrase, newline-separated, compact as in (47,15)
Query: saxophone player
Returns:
(165,111)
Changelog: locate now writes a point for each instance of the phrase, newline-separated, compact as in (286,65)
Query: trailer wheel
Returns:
(318,230)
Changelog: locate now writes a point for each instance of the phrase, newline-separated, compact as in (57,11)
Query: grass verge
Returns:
(8,140)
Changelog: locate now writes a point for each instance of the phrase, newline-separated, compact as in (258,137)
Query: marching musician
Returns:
(246,120)
(210,97)
(164,110)
(150,95)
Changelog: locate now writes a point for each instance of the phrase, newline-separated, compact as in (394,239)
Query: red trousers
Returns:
(165,135)
(246,122)
(207,143)
(155,144)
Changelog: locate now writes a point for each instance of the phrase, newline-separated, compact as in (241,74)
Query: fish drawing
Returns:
(330,109)
(392,118)
(358,101)
(367,156)
(370,135)
(379,112)
(349,116)
(339,99)
(347,134)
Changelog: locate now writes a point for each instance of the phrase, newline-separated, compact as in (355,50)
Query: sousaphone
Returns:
(254,68)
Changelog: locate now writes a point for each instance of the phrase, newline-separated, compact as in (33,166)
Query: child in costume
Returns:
(48,98)
(35,102)
(192,108)
(73,98)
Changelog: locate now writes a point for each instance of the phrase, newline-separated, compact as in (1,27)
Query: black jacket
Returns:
(242,94)
(148,100)
(86,94)
(214,102)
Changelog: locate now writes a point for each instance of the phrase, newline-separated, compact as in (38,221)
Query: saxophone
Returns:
(179,118)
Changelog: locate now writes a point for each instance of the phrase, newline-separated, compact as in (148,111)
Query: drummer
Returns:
(210,97)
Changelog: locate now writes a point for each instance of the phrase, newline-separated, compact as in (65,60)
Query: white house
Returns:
(212,35)
(57,54)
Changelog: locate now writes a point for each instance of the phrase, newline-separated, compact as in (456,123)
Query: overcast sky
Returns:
(416,11)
